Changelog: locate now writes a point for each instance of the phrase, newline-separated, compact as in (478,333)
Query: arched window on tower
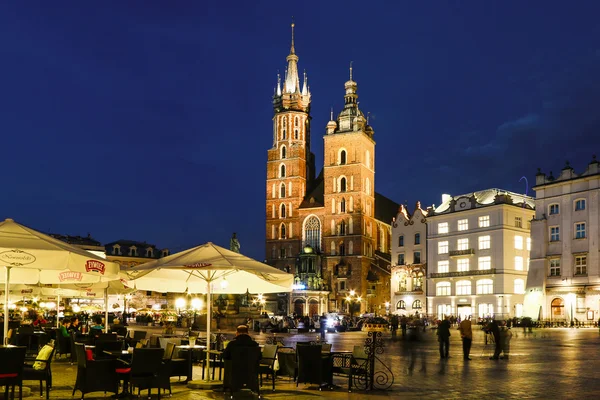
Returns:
(282,232)
(343,205)
(342,157)
(342,184)
(296,122)
(342,249)
(350,248)
(282,190)
(283,152)
(282,172)
(312,233)
(296,134)
(283,211)
(342,228)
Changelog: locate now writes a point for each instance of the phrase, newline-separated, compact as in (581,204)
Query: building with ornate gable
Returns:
(409,261)
(334,222)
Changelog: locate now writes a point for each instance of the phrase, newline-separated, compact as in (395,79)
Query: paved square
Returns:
(548,363)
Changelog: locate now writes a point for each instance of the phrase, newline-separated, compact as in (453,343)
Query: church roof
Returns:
(385,209)
(314,197)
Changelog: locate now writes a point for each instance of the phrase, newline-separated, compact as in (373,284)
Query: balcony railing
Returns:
(462,273)
(406,292)
(458,253)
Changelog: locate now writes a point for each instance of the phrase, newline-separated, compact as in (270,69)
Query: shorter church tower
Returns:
(349,224)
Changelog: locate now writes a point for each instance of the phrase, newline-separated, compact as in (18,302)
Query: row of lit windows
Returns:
(483,286)
(483,222)
(578,205)
(416,305)
(485,243)
(463,224)
(416,258)
(580,266)
(579,229)
(485,310)
(483,263)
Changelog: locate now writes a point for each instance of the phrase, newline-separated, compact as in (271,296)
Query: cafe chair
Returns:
(267,362)
(177,366)
(137,336)
(107,337)
(64,345)
(242,370)
(40,369)
(146,365)
(310,365)
(288,366)
(102,346)
(12,360)
(94,375)
(354,366)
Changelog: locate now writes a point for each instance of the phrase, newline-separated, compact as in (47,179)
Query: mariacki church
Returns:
(331,230)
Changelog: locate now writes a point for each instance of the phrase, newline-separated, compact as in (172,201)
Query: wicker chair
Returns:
(12,360)
(33,374)
(267,362)
(242,370)
(94,375)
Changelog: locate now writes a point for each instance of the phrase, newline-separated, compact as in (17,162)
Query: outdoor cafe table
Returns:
(190,350)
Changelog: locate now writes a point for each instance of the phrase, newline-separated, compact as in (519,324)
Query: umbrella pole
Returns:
(208,330)
(6,285)
(57,306)
(106,310)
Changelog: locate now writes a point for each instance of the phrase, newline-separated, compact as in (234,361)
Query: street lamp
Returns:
(352,299)
(179,303)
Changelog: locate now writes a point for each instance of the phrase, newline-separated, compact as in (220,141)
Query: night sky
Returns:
(151,121)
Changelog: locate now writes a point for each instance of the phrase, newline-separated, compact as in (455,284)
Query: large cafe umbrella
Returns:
(31,257)
(206,269)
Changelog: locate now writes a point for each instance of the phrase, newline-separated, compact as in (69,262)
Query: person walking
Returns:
(323,325)
(466,333)
(505,337)
(443,333)
(494,329)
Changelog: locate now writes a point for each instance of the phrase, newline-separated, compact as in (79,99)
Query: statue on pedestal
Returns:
(234,243)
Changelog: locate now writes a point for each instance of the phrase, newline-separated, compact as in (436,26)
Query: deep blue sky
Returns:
(151,121)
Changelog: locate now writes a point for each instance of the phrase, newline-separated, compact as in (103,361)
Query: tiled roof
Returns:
(314,197)
(77,240)
(385,209)
(129,243)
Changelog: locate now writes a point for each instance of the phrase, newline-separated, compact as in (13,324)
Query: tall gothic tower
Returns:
(350,228)
(290,166)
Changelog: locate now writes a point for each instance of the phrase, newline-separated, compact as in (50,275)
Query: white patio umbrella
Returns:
(100,290)
(196,270)
(31,257)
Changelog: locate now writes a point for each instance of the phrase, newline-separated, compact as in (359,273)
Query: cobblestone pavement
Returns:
(548,363)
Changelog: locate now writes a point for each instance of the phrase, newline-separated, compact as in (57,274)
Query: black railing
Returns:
(457,253)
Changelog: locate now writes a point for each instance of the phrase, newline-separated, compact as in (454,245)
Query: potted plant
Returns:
(375,324)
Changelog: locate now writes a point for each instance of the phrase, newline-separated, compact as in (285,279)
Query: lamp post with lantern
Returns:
(352,299)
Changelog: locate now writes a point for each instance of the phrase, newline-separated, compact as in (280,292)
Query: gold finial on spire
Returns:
(292,50)
(350,70)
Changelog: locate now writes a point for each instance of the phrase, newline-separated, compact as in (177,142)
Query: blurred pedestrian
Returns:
(466,333)
(443,332)
(494,329)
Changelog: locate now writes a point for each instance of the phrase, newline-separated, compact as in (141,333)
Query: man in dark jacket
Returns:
(443,332)
(242,339)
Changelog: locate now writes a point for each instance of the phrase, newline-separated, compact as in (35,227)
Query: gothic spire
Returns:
(292,83)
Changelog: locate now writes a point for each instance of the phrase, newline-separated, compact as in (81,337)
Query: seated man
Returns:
(242,339)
